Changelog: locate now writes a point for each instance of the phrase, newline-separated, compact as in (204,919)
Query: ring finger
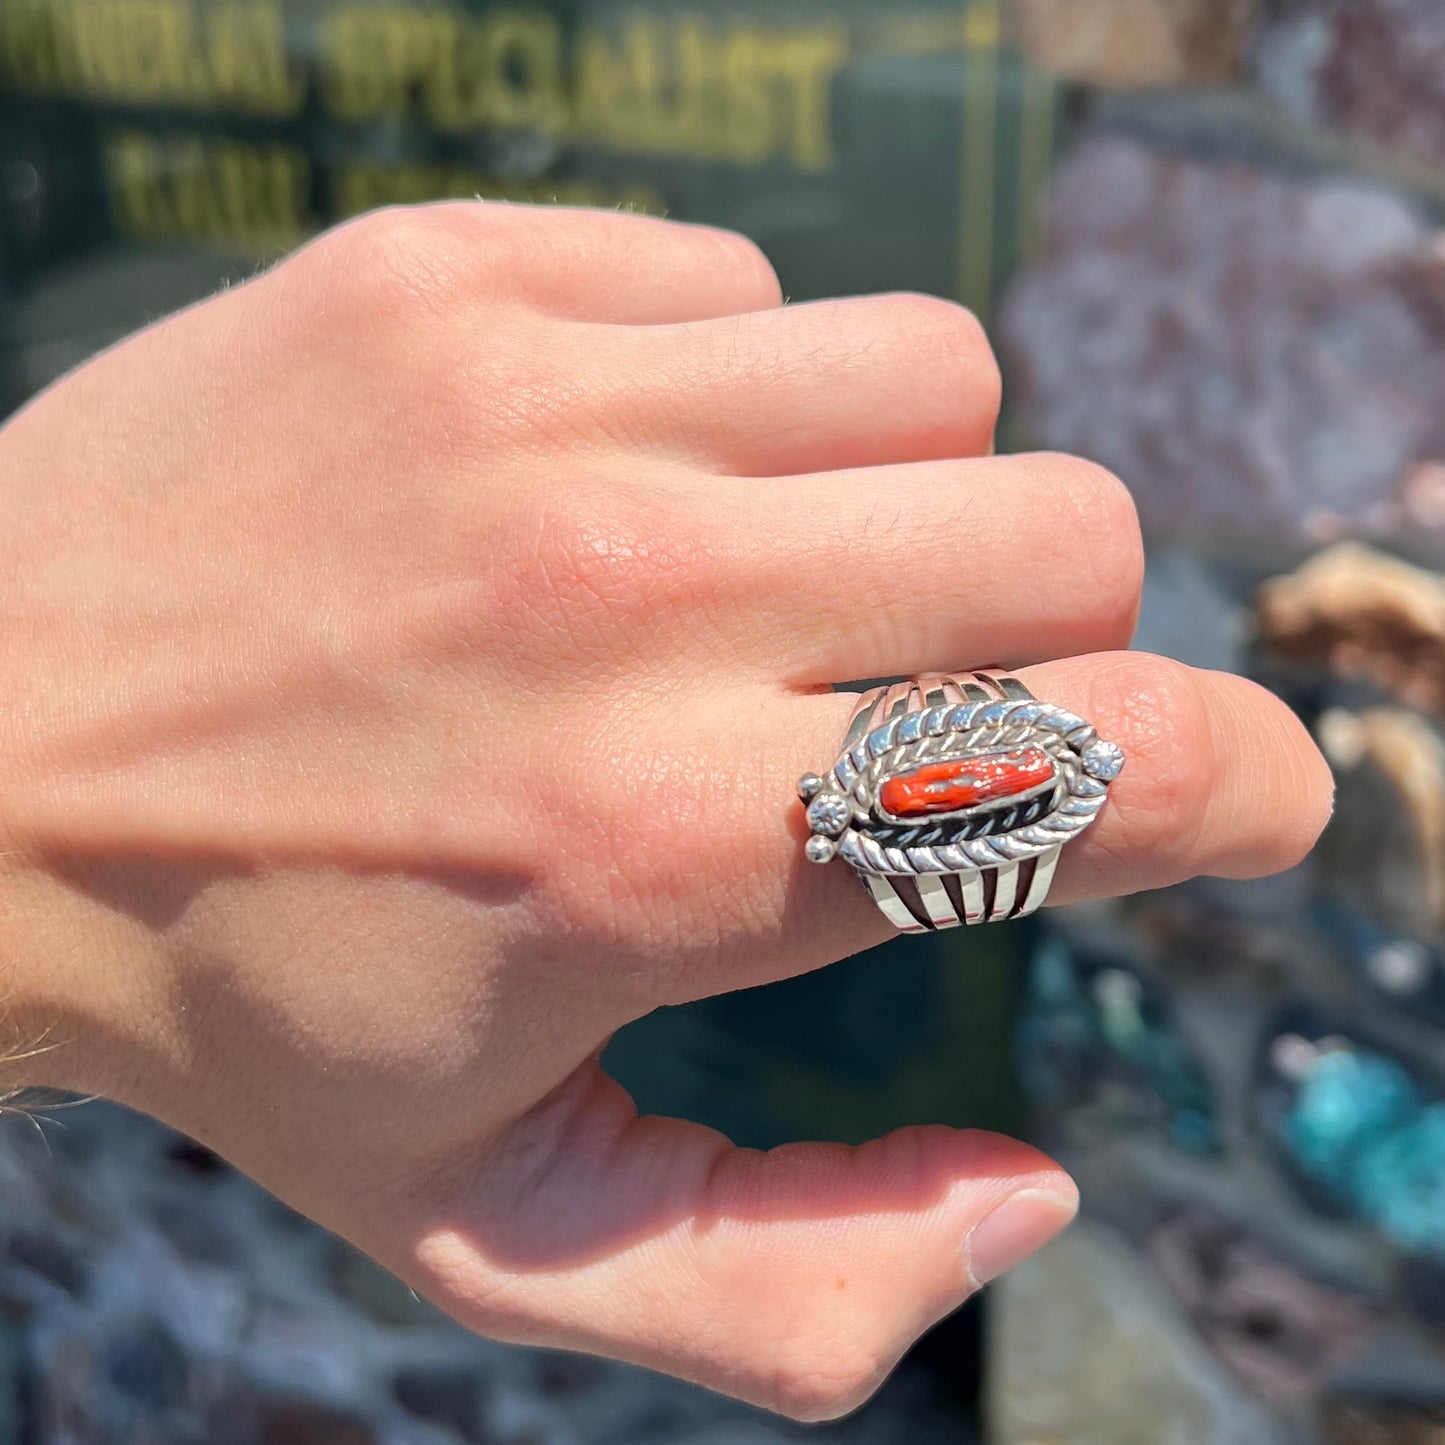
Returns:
(1221,779)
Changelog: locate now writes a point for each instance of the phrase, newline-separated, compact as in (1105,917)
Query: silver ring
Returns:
(953,796)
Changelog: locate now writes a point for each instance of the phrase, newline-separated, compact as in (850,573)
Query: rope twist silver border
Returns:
(979,864)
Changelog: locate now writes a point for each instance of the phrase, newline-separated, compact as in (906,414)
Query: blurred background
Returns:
(1206,238)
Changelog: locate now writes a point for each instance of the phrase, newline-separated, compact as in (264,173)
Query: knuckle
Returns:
(1104,533)
(817,1379)
(394,262)
(610,546)
(647,822)
(1165,731)
(935,321)
(655,861)
(936,317)
(949,337)
(445,1268)
(742,257)
(599,570)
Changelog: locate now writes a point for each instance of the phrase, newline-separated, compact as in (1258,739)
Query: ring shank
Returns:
(926,902)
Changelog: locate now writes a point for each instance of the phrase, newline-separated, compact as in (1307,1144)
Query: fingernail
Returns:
(1014,1230)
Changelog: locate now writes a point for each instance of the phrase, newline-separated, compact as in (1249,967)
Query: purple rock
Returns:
(1369,68)
(1261,358)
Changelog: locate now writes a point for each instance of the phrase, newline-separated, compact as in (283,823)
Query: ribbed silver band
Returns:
(925,902)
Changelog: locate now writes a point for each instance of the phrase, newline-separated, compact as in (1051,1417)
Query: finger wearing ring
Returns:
(954,795)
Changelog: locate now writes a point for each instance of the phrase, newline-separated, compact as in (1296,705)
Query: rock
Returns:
(1132,42)
(1397,970)
(1364,1421)
(1384,852)
(1361,1131)
(1099,1054)
(197,1234)
(1369,68)
(66,1393)
(735,1434)
(1088,1349)
(1402,1184)
(1423,1285)
(125,1322)
(1186,614)
(304,1422)
(562,1375)
(196,1158)
(1190,940)
(1322,1101)
(44,1254)
(144,1363)
(1356,613)
(448,1397)
(1282,1333)
(13,1383)
(1260,358)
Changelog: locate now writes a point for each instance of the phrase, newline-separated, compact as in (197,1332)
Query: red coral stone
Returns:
(965,782)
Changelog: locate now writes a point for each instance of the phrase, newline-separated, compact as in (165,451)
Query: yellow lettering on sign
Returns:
(982,25)
(598,101)
(683,87)
(363,185)
(502,69)
(366,52)
(659,84)
(247,58)
(199,189)
(811,63)
(27,46)
(673,85)
(452,77)
(522,72)
(749,131)
(226,55)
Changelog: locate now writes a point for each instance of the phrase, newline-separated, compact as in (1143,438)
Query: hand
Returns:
(406,660)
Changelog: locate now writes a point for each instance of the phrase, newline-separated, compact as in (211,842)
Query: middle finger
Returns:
(805,388)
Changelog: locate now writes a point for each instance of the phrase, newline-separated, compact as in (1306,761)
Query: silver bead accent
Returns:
(829,813)
(820,850)
(809,785)
(1103,760)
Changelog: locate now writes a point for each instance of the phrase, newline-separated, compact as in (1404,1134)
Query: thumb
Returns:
(794,1279)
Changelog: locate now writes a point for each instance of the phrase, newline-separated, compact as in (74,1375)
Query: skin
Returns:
(407,661)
